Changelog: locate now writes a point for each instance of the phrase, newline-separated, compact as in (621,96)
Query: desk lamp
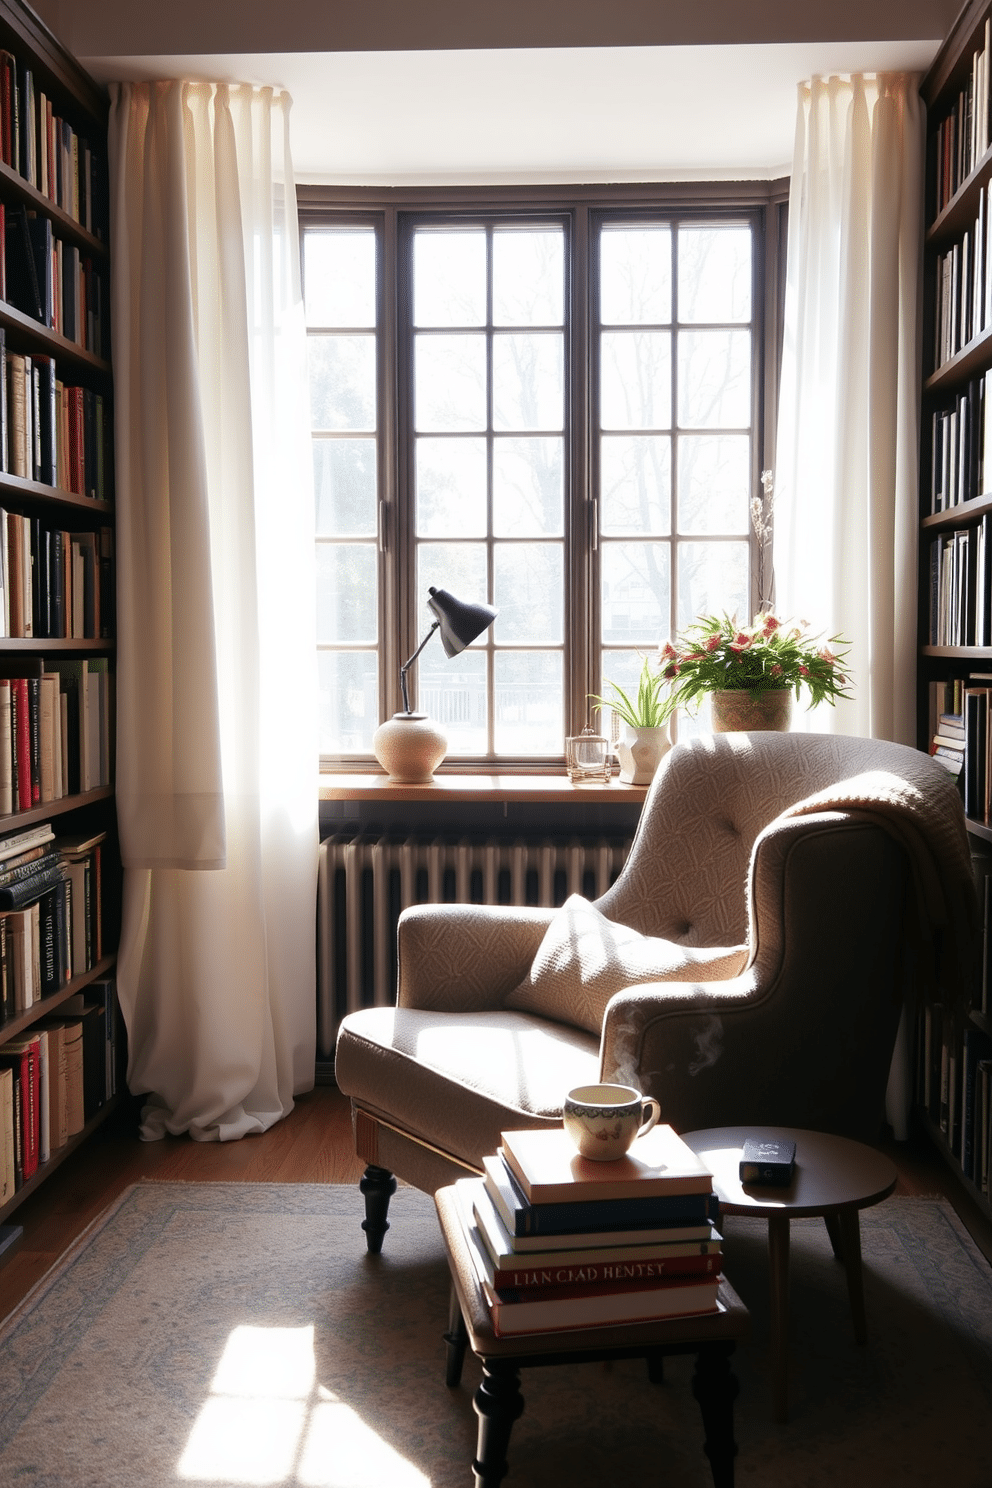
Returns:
(410,746)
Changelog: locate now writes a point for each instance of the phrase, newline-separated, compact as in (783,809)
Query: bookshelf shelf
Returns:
(59,887)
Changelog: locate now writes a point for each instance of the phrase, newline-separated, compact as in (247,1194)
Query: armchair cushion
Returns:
(585,958)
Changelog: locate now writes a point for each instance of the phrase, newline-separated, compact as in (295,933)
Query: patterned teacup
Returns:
(604,1120)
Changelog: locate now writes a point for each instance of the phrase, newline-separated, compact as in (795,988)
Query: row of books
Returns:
(44,148)
(50,280)
(963,287)
(56,730)
(962,137)
(50,914)
(954,1087)
(51,431)
(54,1079)
(55,584)
(560,1241)
(961,446)
(961,586)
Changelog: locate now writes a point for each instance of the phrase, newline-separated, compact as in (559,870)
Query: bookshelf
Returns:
(953,1075)
(57,552)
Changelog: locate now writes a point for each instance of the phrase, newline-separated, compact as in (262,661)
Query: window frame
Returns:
(393,212)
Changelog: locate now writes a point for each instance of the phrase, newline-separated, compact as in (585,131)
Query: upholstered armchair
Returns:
(782,894)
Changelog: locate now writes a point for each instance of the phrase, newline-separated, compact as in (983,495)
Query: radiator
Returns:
(364,883)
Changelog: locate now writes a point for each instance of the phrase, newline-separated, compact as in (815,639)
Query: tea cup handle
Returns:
(651,1112)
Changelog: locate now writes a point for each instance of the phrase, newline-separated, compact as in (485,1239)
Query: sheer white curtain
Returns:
(846,502)
(217,742)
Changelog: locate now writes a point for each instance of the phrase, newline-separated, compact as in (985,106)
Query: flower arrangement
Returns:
(652,706)
(715,654)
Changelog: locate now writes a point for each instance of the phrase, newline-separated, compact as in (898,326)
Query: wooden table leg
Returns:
(457,1340)
(778,1260)
(716,1388)
(850,1230)
(498,1402)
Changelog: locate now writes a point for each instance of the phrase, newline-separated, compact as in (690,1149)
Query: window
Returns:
(551,406)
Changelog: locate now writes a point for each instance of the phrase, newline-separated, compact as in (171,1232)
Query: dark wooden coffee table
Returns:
(834,1178)
(498,1400)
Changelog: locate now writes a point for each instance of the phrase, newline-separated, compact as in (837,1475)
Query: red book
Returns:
(19,701)
(23,1056)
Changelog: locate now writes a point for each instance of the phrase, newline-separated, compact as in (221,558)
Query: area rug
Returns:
(236,1334)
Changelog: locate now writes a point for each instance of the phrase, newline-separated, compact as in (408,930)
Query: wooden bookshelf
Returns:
(953,1074)
(56,482)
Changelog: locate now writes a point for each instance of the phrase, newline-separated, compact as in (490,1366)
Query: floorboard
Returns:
(313,1145)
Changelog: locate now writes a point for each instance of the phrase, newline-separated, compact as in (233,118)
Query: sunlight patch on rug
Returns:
(267,1422)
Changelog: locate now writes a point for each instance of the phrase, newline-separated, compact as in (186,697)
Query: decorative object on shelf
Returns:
(410,746)
(645,719)
(770,660)
(587,757)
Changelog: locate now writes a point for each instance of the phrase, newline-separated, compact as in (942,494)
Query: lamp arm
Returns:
(408,664)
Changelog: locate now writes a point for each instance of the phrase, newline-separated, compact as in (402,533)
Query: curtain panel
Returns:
(845,499)
(217,759)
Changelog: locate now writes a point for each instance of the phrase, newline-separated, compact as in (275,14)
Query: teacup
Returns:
(603,1121)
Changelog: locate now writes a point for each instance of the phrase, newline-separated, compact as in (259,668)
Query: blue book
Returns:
(524,1218)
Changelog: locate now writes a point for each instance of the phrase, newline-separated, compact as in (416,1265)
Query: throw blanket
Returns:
(918,803)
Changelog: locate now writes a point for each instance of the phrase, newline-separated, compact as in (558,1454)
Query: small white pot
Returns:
(640,751)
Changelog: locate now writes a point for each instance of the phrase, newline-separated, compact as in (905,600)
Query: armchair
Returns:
(782,894)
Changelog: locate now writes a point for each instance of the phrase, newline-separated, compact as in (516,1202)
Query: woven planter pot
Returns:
(751,711)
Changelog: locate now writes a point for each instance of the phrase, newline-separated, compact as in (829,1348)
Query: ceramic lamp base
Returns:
(409,747)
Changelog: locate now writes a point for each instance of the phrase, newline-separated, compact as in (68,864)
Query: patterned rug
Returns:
(236,1334)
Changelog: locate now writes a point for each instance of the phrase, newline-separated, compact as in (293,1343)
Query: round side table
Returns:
(834,1177)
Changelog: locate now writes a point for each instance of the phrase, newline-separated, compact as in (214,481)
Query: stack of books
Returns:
(560,1241)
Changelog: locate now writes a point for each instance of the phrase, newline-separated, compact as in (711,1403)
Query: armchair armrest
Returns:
(459,958)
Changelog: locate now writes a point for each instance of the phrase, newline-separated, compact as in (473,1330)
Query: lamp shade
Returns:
(460,623)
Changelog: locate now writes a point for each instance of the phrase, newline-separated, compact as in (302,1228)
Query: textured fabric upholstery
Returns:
(585,958)
(782,893)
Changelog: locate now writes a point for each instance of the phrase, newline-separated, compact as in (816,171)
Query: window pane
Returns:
(342,382)
(346,592)
(714,483)
(451,487)
(636,588)
(713,578)
(635,484)
(529,581)
(453,693)
(458,567)
(529,708)
(450,383)
(528,487)
(636,380)
(635,275)
(714,379)
(348,683)
(528,381)
(714,273)
(449,278)
(528,277)
(344,487)
(339,277)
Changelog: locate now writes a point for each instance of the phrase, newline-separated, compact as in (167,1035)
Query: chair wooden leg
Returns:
(378,1185)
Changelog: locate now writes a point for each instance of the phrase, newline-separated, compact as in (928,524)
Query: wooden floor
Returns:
(313,1145)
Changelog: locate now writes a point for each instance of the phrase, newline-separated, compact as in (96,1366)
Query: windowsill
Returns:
(557,789)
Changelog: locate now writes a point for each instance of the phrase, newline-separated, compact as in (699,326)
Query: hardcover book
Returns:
(654,1210)
(549,1170)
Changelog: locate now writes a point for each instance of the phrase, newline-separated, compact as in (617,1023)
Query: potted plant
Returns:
(752,672)
(645,718)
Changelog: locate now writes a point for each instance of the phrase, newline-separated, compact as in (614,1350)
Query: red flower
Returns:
(770,625)
(776,670)
(668,652)
(741,641)
(714,641)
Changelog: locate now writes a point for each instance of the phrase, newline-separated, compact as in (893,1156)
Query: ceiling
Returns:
(420,91)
